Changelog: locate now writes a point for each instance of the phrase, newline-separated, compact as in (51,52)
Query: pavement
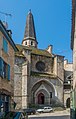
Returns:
(58,113)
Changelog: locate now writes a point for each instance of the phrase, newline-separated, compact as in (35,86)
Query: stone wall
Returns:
(9,59)
(60,67)
(47,60)
(18,86)
(20,82)
(7,86)
(56,84)
(66,96)
(25,85)
(74,57)
(68,69)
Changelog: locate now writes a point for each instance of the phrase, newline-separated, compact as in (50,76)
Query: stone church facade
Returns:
(39,74)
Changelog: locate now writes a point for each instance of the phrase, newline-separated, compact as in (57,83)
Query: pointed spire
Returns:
(30,28)
(29,34)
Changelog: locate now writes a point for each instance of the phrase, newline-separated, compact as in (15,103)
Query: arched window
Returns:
(25,43)
(68,103)
(31,42)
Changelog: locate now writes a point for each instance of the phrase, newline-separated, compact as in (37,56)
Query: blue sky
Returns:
(52,20)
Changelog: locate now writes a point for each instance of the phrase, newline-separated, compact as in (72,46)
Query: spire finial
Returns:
(30,10)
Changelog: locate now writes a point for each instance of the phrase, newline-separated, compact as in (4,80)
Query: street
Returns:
(51,117)
(56,115)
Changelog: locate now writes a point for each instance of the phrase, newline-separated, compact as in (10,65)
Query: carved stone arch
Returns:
(41,90)
(41,87)
(49,83)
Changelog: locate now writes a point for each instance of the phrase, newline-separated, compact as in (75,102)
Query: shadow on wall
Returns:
(56,103)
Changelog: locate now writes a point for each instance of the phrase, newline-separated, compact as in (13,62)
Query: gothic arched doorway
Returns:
(41,98)
(68,103)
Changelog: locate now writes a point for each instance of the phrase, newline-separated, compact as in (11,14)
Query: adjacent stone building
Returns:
(73,41)
(68,82)
(73,47)
(7,49)
(39,74)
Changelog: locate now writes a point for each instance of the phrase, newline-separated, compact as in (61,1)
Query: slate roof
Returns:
(30,28)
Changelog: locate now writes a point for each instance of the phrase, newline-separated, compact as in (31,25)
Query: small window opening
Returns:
(31,42)
(25,43)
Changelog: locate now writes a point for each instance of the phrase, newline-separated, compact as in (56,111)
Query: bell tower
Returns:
(29,34)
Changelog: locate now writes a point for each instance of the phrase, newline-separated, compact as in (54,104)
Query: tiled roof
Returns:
(34,50)
(19,54)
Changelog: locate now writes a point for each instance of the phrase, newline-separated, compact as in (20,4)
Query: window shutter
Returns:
(5,45)
(1,67)
(8,72)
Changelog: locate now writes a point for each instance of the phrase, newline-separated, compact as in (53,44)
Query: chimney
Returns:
(5,24)
(49,49)
(10,32)
(65,62)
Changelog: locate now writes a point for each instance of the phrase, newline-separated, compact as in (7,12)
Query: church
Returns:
(39,74)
